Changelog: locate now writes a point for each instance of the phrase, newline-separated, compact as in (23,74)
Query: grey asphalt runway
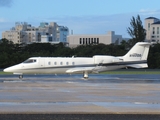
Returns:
(72,94)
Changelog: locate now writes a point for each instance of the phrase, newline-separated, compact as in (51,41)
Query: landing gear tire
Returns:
(20,76)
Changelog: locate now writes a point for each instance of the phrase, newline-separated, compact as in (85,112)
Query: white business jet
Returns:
(136,58)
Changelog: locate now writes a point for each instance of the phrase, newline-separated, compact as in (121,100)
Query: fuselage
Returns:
(60,65)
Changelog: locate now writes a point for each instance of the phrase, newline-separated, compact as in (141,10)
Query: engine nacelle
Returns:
(106,59)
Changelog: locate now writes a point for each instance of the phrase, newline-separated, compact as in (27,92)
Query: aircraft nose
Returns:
(7,70)
(10,69)
(13,69)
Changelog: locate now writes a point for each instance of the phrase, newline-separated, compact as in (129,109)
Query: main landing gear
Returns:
(20,76)
(85,75)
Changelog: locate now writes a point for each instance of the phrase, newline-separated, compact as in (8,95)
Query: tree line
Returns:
(11,54)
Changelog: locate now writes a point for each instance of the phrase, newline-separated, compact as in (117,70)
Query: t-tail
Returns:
(137,56)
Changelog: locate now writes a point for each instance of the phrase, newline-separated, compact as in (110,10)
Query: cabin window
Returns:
(73,63)
(67,63)
(61,63)
(30,61)
(49,63)
(55,63)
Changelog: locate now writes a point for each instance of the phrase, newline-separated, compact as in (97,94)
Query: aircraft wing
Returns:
(80,69)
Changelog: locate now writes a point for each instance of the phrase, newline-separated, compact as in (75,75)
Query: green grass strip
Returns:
(5,73)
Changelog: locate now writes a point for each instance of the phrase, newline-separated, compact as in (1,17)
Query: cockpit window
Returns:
(30,61)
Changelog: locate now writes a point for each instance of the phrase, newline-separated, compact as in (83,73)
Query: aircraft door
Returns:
(41,62)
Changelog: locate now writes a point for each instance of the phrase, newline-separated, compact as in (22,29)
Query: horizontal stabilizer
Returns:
(144,65)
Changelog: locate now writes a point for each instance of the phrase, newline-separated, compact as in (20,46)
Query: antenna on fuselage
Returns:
(73,56)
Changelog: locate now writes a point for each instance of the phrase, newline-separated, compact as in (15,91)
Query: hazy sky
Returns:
(81,16)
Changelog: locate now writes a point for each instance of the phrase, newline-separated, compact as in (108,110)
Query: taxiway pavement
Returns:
(115,94)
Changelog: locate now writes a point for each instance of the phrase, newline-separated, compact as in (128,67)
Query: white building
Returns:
(110,37)
(46,39)
(25,33)
(152,26)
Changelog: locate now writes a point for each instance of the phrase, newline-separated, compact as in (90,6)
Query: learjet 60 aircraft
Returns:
(136,58)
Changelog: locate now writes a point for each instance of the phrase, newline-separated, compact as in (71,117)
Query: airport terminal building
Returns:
(110,37)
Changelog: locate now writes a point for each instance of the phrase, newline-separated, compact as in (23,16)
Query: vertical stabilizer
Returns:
(139,52)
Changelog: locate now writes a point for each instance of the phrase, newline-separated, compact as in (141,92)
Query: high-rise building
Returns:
(25,33)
